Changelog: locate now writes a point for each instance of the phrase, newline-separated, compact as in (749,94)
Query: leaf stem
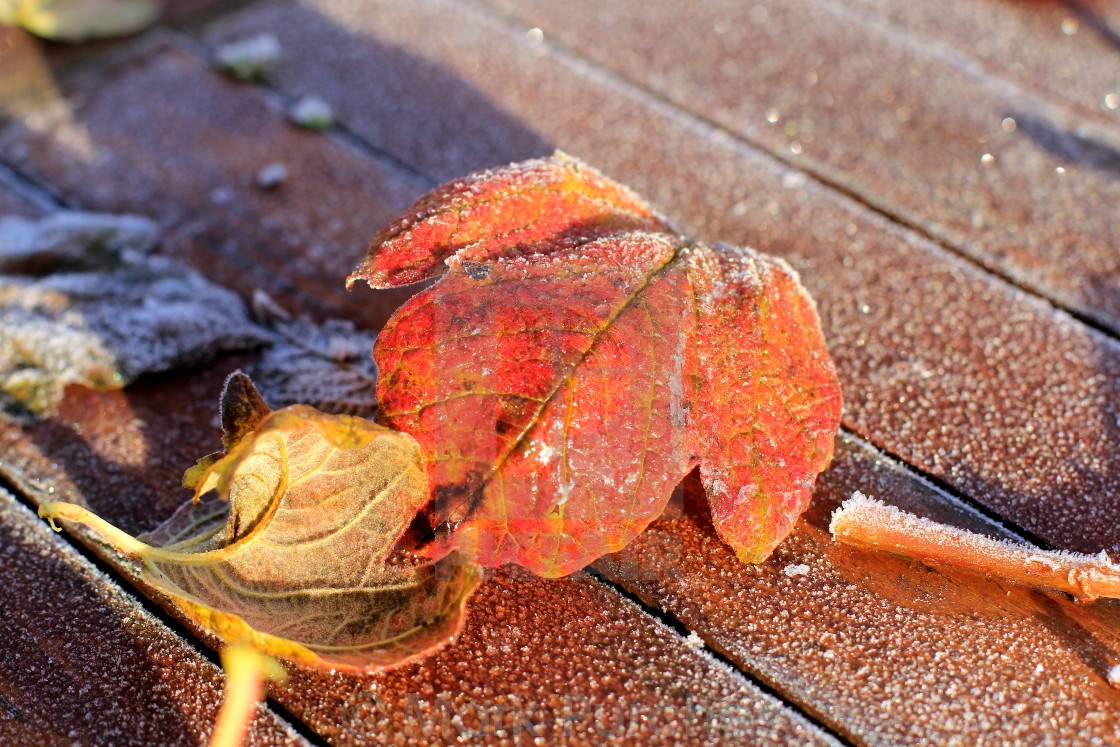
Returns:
(867,523)
(246,672)
(124,542)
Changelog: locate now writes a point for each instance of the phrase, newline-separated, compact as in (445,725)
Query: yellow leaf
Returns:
(297,553)
(79,20)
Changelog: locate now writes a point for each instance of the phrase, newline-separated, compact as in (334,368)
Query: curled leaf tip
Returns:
(242,408)
(46,513)
(506,211)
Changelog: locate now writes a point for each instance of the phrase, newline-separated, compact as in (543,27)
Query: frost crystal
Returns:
(793,570)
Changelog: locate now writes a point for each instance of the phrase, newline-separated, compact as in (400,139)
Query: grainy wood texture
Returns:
(936,272)
(965,154)
(1066,49)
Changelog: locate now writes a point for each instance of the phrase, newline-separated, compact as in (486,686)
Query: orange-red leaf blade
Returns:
(553,419)
(502,212)
(768,399)
(561,382)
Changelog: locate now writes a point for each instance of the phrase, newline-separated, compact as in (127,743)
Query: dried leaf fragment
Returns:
(84,304)
(72,240)
(249,58)
(312,113)
(577,359)
(297,553)
(863,522)
(327,365)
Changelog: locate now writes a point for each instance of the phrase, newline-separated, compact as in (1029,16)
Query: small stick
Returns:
(864,522)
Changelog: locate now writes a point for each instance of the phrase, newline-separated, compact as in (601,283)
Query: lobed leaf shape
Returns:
(563,383)
(297,551)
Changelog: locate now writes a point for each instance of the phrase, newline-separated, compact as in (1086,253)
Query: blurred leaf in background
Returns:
(79,20)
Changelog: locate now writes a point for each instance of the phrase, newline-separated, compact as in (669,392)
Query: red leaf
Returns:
(576,361)
(504,213)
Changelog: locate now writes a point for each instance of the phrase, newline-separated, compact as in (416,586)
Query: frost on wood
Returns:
(578,358)
(72,240)
(106,315)
(292,543)
(327,366)
(864,522)
(796,569)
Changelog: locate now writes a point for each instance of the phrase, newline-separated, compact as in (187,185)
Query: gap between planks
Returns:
(817,718)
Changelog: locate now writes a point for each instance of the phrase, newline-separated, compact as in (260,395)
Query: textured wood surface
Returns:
(941,280)
(981,162)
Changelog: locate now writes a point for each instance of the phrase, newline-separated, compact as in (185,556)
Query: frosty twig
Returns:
(867,523)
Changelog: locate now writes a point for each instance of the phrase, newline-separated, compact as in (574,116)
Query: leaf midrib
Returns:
(476,495)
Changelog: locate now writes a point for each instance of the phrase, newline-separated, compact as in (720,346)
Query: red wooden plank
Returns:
(928,140)
(1068,49)
(884,649)
(393,94)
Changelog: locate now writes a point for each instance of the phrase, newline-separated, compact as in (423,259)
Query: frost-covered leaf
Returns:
(578,359)
(79,20)
(327,366)
(502,213)
(109,316)
(69,240)
(298,551)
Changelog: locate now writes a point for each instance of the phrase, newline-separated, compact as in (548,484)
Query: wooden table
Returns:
(945,176)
